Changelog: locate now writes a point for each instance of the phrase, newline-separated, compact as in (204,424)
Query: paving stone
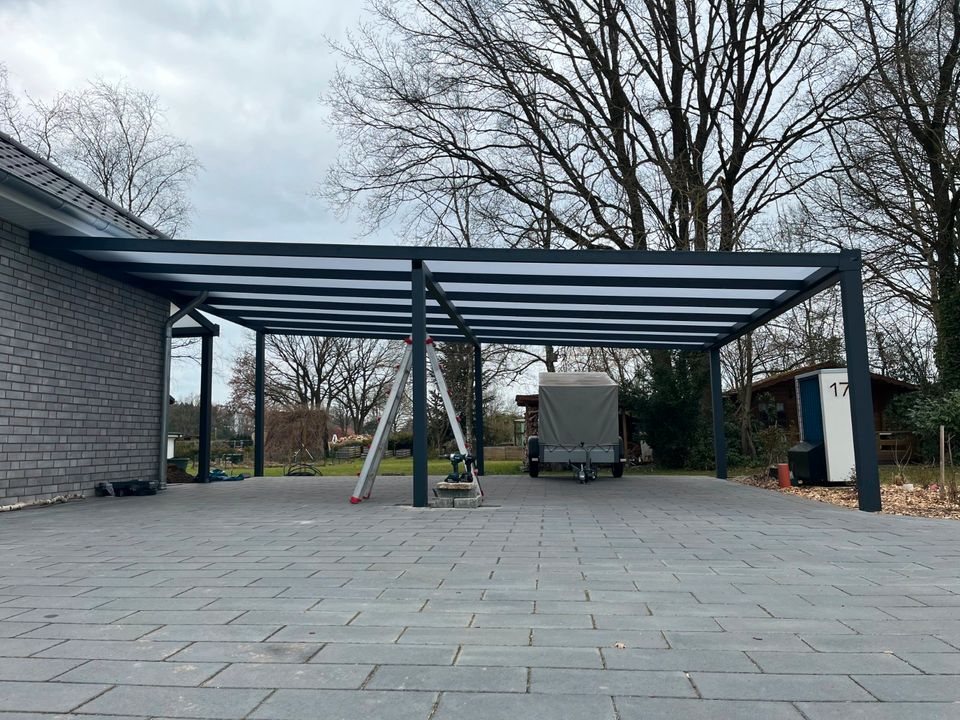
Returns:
(282,675)
(458,678)
(465,636)
(600,637)
(483,607)
(877,711)
(356,605)
(668,709)
(256,652)
(912,688)
(23,647)
(33,602)
(175,702)
(786,625)
(656,623)
(182,617)
(574,657)
(15,629)
(156,603)
(384,654)
(710,610)
(719,568)
(214,633)
(511,706)
(763,686)
(270,617)
(424,619)
(245,603)
(34,669)
(48,615)
(876,643)
(46,697)
(76,631)
(126,672)
(113,650)
(337,633)
(346,705)
(942,663)
(715,660)
(735,641)
(830,663)
(610,682)
(529,620)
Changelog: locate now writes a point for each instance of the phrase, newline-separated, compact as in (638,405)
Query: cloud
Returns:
(241,83)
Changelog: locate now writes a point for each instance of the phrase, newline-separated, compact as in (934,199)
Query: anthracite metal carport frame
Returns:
(593,298)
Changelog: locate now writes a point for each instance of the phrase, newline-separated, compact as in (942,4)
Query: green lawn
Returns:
(389,466)
(919,474)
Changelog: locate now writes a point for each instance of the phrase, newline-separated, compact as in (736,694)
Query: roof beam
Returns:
(436,292)
(822,280)
(402,252)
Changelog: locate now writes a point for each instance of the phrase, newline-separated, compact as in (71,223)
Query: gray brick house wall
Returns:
(80,375)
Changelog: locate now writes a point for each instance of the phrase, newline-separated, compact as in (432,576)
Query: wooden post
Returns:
(943,464)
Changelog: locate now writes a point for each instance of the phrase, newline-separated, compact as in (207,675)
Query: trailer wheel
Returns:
(533,456)
(619,463)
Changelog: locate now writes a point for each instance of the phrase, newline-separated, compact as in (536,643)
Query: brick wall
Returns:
(80,376)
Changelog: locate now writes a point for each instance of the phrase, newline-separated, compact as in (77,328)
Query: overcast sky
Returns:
(241,82)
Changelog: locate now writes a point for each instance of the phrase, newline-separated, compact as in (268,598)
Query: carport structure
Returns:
(595,298)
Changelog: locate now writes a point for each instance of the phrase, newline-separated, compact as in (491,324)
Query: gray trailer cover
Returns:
(578,408)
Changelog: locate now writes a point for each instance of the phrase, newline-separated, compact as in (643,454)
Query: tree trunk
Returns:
(745,410)
(948,327)
(550,359)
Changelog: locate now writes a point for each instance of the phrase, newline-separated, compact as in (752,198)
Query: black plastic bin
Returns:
(808,462)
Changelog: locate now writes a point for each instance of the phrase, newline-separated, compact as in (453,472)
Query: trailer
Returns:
(577,425)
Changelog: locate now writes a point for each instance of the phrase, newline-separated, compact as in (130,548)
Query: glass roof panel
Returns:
(245,261)
(561,340)
(246,310)
(535,330)
(621,269)
(279,283)
(480,320)
(613,292)
(266,297)
(465,305)
(359,322)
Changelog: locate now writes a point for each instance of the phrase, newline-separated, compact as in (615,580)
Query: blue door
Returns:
(811,411)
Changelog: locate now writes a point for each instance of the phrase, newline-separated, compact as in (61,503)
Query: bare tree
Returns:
(112,137)
(644,117)
(897,194)
(362,377)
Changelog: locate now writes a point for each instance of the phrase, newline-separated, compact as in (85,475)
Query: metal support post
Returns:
(861,396)
(478,407)
(258,403)
(165,381)
(419,358)
(206,407)
(716,398)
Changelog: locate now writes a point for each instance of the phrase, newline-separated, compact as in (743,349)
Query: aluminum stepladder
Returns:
(378,446)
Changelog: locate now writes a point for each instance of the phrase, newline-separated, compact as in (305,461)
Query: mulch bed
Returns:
(176,475)
(896,500)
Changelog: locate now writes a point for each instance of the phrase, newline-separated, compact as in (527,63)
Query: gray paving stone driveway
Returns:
(274,599)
